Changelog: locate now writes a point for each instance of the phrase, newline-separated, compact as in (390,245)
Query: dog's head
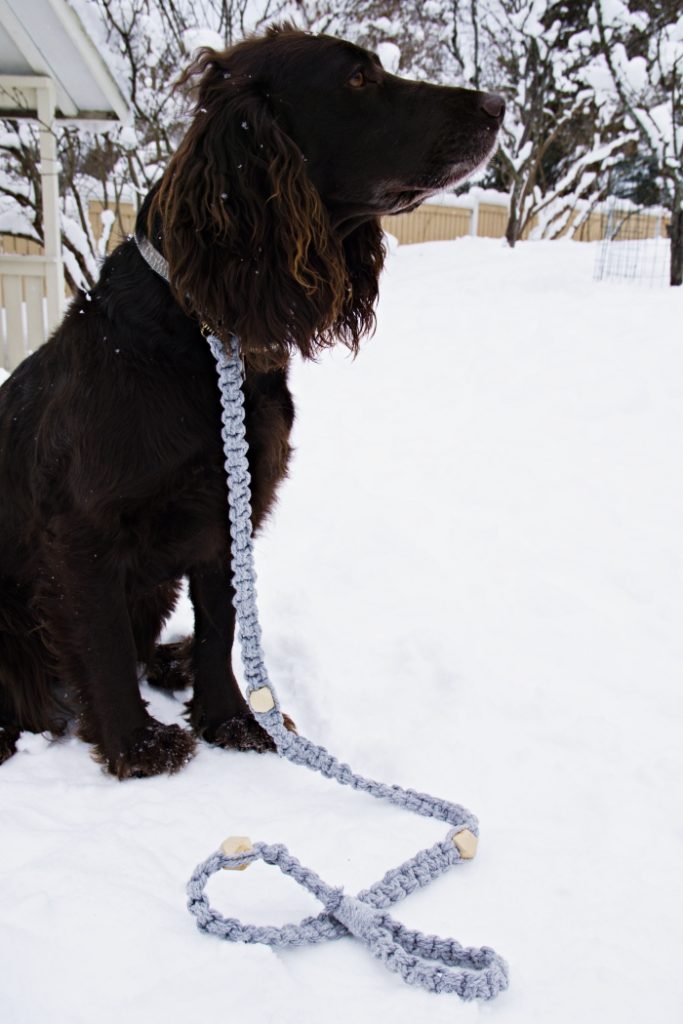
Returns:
(268,213)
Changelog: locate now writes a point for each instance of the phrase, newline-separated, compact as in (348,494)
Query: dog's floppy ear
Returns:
(244,231)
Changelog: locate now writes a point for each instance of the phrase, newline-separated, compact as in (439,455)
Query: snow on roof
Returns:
(48,38)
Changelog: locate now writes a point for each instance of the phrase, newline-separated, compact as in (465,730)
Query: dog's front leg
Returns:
(218,711)
(82,603)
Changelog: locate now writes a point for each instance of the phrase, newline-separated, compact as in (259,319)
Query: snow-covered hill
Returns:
(481,542)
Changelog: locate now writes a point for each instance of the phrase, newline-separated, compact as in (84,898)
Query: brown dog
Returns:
(111,472)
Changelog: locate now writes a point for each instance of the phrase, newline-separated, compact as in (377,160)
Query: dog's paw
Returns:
(154,749)
(171,667)
(242,732)
(289,724)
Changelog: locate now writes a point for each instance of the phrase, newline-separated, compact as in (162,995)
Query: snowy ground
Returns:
(482,544)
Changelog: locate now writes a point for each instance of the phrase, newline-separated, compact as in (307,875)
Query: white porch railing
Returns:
(27,305)
(32,287)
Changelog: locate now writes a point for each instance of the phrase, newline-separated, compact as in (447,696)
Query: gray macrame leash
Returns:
(438,965)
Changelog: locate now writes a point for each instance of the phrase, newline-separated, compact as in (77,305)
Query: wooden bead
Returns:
(261,700)
(233,845)
(466,843)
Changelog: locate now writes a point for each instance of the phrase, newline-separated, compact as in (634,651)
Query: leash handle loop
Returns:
(428,961)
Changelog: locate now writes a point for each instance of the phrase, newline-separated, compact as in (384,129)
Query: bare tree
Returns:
(153,41)
(556,145)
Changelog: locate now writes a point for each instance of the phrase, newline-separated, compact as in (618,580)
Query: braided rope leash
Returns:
(436,964)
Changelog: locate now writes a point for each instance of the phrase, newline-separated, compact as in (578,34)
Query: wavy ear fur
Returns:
(248,240)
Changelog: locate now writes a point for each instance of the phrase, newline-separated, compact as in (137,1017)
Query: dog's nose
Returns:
(493,105)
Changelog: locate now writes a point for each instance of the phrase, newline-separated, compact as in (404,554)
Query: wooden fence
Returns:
(26,314)
(486,219)
(433,222)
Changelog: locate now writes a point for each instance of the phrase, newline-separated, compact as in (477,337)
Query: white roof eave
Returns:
(46,38)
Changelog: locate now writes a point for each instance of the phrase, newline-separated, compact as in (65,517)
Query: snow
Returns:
(15,218)
(94,25)
(480,544)
(196,38)
(107,218)
(473,196)
(390,56)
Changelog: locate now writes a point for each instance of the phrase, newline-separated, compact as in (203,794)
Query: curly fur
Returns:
(247,237)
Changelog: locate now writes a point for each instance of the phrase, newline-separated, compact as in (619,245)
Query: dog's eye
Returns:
(357,80)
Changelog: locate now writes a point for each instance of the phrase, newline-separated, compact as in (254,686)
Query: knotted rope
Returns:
(438,965)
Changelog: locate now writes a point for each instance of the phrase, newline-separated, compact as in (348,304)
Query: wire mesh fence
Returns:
(634,246)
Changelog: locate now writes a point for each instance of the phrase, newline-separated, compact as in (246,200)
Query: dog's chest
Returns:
(187,522)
